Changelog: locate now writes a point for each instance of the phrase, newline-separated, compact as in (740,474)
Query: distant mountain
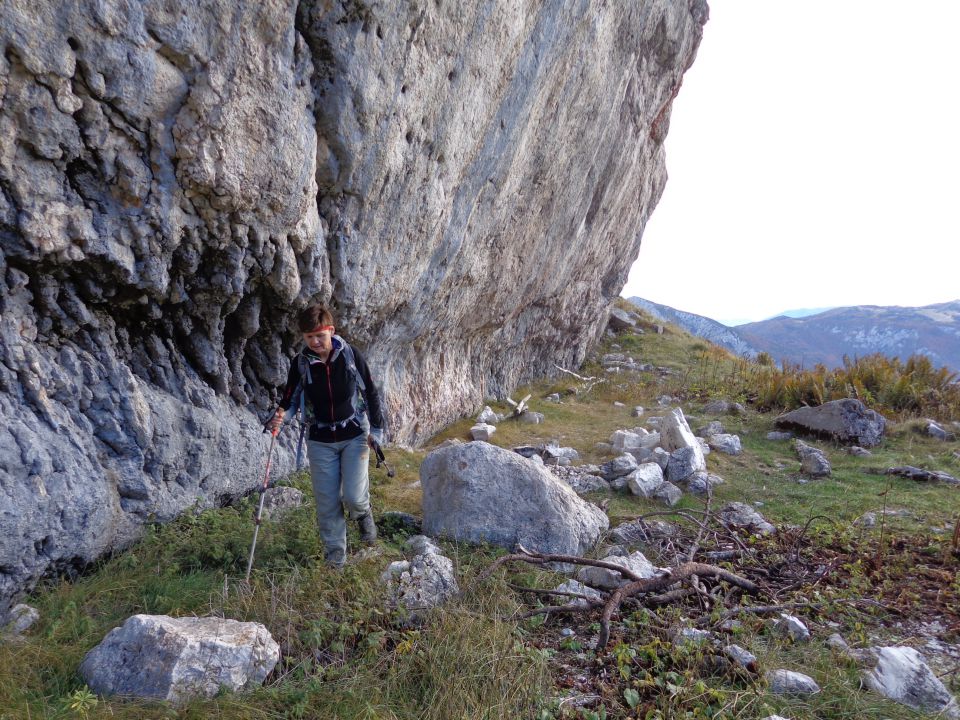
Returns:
(798,313)
(933,330)
(698,325)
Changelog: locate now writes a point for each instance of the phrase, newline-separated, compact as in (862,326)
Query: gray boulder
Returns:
(621,320)
(902,675)
(936,431)
(792,627)
(478,492)
(624,440)
(426,581)
(177,659)
(846,421)
(618,467)
(20,619)
(723,407)
(741,657)
(702,482)
(581,479)
(668,494)
(487,416)
(645,480)
(788,682)
(683,463)
(482,431)
(634,532)
(725,443)
(813,462)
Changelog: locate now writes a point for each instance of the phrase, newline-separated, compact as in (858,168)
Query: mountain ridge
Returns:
(827,337)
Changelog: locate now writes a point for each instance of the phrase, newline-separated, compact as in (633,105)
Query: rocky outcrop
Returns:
(177,179)
(846,421)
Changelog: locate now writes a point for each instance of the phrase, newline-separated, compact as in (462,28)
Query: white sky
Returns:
(814,161)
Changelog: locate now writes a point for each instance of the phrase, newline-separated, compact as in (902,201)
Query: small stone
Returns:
(21,618)
(567,632)
(668,493)
(531,418)
(858,451)
(482,432)
(792,627)
(645,480)
(607,579)
(553,398)
(788,682)
(487,416)
(421,545)
(867,520)
(743,658)
(702,482)
(837,642)
(727,444)
(617,403)
(637,411)
(692,636)
(278,501)
(623,465)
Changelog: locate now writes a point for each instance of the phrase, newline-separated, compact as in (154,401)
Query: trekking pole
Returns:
(263,490)
(381,460)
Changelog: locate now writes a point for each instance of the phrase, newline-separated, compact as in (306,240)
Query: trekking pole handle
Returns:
(381,460)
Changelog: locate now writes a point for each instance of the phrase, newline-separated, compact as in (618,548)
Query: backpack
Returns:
(359,403)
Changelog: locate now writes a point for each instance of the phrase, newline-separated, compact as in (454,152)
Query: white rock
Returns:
(482,431)
(700,482)
(278,501)
(610,579)
(645,480)
(727,444)
(902,675)
(623,440)
(531,418)
(478,492)
(487,416)
(668,493)
(637,411)
(427,582)
(740,656)
(421,545)
(792,626)
(21,618)
(575,586)
(788,682)
(176,659)
(692,636)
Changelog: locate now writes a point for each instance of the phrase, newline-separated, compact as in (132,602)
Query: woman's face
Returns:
(320,339)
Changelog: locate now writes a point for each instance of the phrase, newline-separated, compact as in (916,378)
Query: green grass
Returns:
(346,656)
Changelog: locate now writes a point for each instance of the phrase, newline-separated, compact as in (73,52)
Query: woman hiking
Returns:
(332,379)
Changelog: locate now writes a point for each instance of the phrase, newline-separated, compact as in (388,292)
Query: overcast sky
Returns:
(813,159)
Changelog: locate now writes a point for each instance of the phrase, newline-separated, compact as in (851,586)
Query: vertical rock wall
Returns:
(465,182)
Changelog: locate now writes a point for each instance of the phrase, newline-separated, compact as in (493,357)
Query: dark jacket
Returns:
(330,393)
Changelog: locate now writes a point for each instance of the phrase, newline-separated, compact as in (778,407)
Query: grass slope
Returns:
(346,656)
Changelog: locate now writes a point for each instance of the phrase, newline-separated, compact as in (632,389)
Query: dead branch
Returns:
(661,582)
(581,378)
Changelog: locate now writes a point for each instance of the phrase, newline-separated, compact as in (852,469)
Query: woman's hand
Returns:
(275,423)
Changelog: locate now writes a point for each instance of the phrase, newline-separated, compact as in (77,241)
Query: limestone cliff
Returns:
(465,181)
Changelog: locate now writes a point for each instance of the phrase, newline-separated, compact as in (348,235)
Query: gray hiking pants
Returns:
(338,471)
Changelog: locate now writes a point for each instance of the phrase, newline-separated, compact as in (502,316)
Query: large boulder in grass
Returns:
(177,659)
(846,421)
(901,674)
(479,493)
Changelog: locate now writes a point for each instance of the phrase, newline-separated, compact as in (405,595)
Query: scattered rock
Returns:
(552,398)
(788,682)
(575,586)
(743,658)
(727,444)
(776,435)
(425,581)
(723,407)
(635,532)
(617,403)
(645,480)
(792,627)
(581,479)
(846,421)
(478,492)
(936,431)
(668,493)
(702,482)
(482,431)
(605,579)
(867,520)
(836,642)
(714,427)
(552,452)
(812,460)
(531,418)
(637,411)
(683,463)
(621,320)
(421,545)
(176,659)
(914,473)
(618,467)
(488,417)
(624,440)
(741,515)
(20,619)
(278,501)
(692,636)
(858,451)
(902,675)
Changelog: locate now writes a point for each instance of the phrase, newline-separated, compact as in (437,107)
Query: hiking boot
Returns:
(368,529)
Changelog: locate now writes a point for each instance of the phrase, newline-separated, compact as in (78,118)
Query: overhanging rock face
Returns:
(465,182)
